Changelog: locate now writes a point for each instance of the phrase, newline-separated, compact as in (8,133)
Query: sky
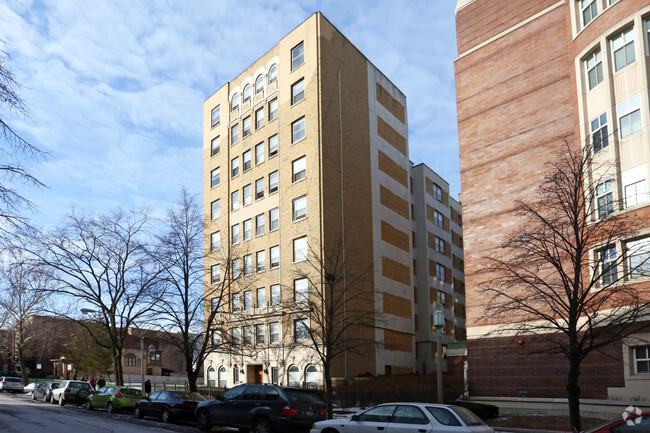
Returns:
(116,88)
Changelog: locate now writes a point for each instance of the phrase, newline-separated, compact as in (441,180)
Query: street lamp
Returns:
(439,323)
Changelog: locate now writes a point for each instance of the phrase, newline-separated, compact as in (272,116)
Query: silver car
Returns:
(11,384)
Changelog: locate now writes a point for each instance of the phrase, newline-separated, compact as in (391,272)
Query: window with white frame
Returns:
(274,219)
(300,249)
(216,115)
(647,36)
(259,153)
(261,297)
(275,375)
(274,333)
(641,359)
(440,245)
(441,272)
(215,146)
(273,182)
(234,102)
(608,268)
(599,134)
(259,189)
(248,230)
(298,91)
(273,74)
(234,234)
(636,193)
(437,192)
(300,289)
(236,268)
(298,130)
(438,219)
(629,116)
(299,167)
(273,109)
(248,300)
(605,198)
(300,330)
(589,10)
(216,304)
(215,241)
(594,67)
(247,193)
(246,124)
(248,335)
(299,207)
(276,297)
(216,177)
(260,261)
(236,302)
(638,253)
(246,94)
(259,118)
(234,134)
(260,225)
(215,209)
(297,56)
(623,49)
(234,201)
(259,334)
(234,167)
(216,337)
(311,378)
(235,336)
(273,145)
(246,160)
(293,374)
(274,253)
(215,274)
(259,84)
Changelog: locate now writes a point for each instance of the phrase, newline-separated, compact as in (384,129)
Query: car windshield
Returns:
(599,426)
(131,391)
(181,395)
(467,416)
(303,396)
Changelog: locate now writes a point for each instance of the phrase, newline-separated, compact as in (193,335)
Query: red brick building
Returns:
(528,74)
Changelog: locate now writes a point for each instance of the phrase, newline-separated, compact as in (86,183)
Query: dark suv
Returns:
(262,409)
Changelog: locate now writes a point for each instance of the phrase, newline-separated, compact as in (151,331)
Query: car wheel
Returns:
(83,394)
(262,425)
(166,416)
(45,400)
(33,396)
(138,413)
(110,408)
(52,399)
(203,420)
(89,405)
(61,402)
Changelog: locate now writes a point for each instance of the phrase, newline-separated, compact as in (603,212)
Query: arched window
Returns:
(311,377)
(259,84)
(234,102)
(129,360)
(212,376)
(223,380)
(294,376)
(246,94)
(273,74)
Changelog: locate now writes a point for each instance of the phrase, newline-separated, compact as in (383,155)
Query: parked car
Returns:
(44,391)
(11,384)
(262,409)
(635,422)
(113,398)
(407,417)
(168,405)
(30,388)
(71,391)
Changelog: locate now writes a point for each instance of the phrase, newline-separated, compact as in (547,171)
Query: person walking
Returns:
(147,388)
(101,382)
(92,381)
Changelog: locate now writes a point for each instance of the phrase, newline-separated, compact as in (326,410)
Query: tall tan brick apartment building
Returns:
(306,150)
(528,74)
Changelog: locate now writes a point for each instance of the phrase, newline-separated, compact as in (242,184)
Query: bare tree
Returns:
(561,276)
(102,263)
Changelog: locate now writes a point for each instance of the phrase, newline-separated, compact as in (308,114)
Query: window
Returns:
(259,118)
(247,126)
(299,167)
(441,298)
(642,359)
(216,304)
(311,377)
(293,376)
(259,189)
(247,195)
(275,374)
(440,272)
(216,177)
(444,416)
(215,146)
(259,225)
(297,56)
(216,115)
(589,11)
(300,330)
(298,91)
(440,245)
(410,415)
(234,134)
(235,336)
(246,94)
(248,264)
(234,102)
(234,167)
(273,110)
(298,130)
(274,333)
(234,198)
(235,376)
(215,274)
(236,302)
(647,36)
(438,219)
(300,249)
(259,84)
(215,241)
(261,297)
(234,230)
(248,335)
(259,153)
(300,290)
(248,300)
(437,192)
(259,334)
(273,74)
(215,209)
(623,48)
(608,273)
(216,337)
(274,219)
(599,135)
(605,198)
(273,182)
(246,159)
(635,193)
(248,230)
(275,294)
(260,261)
(273,146)
(300,208)
(639,257)
(236,268)
(629,116)
(129,360)
(594,65)
(275,257)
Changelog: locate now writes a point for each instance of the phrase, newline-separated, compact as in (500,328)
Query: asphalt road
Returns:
(20,414)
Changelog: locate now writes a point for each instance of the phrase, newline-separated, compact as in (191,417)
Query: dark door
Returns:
(222,412)
(147,405)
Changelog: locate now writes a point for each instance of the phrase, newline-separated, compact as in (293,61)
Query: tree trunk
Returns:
(21,363)
(573,394)
(119,379)
(329,396)
(192,375)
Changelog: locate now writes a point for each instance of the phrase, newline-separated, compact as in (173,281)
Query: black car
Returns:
(43,391)
(168,405)
(262,409)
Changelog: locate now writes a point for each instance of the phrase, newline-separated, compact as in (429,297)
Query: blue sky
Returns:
(116,88)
